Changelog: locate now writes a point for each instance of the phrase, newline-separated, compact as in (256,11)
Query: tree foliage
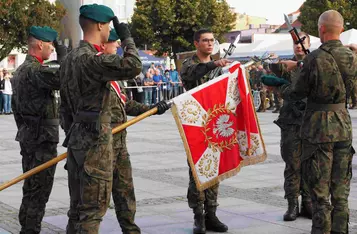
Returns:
(17,16)
(169,25)
(312,9)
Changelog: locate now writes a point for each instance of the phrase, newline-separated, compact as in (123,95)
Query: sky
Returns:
(273,10)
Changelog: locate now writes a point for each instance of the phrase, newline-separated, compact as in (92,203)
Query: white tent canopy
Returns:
(280,44)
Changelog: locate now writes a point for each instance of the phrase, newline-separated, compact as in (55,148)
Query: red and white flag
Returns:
(219,127)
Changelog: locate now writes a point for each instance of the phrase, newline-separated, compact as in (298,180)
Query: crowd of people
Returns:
(5,92)
(155,84)
(316,129)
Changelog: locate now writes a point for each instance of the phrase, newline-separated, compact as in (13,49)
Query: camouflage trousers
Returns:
(37,188)
(354,95)
(263,96)
(198,199)
(123,191)
(90,175)
(328,172)
(277,99)
(290,149)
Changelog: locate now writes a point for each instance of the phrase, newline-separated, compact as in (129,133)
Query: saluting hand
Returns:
(121,29)
(222,62)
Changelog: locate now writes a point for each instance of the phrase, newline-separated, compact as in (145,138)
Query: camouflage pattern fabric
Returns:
(206,198)
(123,186)
(290,150)
(354,95)
(37,188)
(197,73)
(33,87)
(289,121)
(85,93)
(327,78)
(194,73)
(263,96)
(328,171)
(36,115)
(89,187)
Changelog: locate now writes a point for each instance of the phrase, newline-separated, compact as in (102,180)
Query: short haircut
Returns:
(198,33)
(31,41)
(304,34)
(85,23)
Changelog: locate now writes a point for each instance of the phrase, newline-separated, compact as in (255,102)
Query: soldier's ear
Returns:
(195,43)
(40,44)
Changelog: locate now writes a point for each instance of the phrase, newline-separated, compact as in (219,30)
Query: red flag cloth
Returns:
(219,127)
(117,90)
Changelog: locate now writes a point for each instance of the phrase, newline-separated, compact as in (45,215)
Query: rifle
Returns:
(295,35)
(229,52)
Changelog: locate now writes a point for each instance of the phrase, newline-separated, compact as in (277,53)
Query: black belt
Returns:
(82,119)
(326,107)
(50,122)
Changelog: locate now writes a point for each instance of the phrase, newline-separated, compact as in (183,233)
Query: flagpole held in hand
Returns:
(64,155)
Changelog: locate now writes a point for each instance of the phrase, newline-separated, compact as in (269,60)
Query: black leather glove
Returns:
(162,107)
(121,29)
(61,50)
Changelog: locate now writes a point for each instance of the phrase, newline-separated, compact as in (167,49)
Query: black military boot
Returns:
(199,226)
(306,207)
(293,209)
(212,222)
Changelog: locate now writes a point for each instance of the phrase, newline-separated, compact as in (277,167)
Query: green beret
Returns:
(45,34)
(98,13)
(270,80)
(113,36)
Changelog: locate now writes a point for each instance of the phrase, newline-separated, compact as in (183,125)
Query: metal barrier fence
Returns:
(164,91)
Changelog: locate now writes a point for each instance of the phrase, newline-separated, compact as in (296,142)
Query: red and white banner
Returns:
(219,127)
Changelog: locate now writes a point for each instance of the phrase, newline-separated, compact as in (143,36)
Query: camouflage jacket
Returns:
(195,73)
(292,110)
(34,103)
(327,77)
(85,89)
(120,112)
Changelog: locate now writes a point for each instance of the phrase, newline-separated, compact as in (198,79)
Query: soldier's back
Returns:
(332,70)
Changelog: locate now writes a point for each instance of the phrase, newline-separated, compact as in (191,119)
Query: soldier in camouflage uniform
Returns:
(194,72)
(36,115)
(289,121)
(327,77)
(86,114)
(123,186)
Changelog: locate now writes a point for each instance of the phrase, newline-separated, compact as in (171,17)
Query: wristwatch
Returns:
(300,64)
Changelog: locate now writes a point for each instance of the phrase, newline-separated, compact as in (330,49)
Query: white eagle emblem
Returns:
(223,127)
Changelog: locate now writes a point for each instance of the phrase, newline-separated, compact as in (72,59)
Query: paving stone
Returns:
(251,202)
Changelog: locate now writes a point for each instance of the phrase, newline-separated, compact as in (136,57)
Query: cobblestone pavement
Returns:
(251,202)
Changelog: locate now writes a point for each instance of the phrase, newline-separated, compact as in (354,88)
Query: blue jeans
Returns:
(148,96)
(7,103)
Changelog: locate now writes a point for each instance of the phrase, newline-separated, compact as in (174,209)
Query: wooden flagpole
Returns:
(64,155)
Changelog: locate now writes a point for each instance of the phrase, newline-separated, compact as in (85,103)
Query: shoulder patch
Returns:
(99,53)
